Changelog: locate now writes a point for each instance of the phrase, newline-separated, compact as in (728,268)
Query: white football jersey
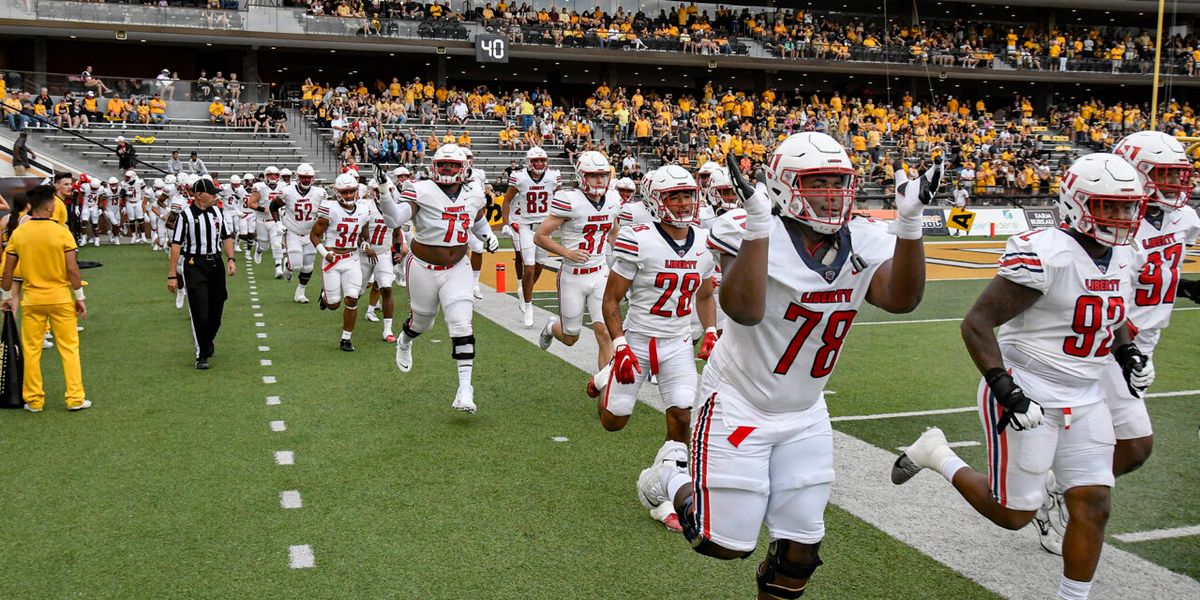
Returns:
(781,365)
(440,220)
(267,195)
(110,197)
(132,189)
(587,225)
(632,213)
(299,210)
(666,275)
(1162,249)
(178,202)
(345,225)
(92,198)
(532,201)
(233,198)
(478,178)
(725,235)
(1064,340)
(706,215)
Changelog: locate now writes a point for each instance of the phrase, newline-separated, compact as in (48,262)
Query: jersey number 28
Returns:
(669,283)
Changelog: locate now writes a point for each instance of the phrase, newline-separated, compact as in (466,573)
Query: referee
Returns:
(199,237)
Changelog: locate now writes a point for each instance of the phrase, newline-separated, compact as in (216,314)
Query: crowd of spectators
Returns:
(77,110)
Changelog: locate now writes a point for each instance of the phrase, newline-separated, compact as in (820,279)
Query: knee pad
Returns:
(417,324)
(351,303)
(305,277)
(701,544)
(776,564)
(462,348)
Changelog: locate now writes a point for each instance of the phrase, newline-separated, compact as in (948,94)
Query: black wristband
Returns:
(170,277)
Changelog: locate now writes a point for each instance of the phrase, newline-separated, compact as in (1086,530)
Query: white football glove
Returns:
(754,200)
(911,197)
(490,243)
(1142,378)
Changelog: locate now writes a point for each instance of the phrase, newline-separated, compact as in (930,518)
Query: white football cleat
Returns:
(652,485)
(665,514)
(1055,506)
(547,336)
(115,240)
(464,400)
(257,257)
(299,297)
(528,320)
(404,358)
(1050,539)
(927,452)
(278,272)
(47,342)
(371,316)
(478,293)
(32,409)
(95,242)
(180,297)
(247,251)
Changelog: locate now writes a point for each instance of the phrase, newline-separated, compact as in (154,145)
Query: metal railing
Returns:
(138,14)
(103,86)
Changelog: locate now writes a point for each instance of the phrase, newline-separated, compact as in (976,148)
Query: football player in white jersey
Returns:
(296,208)
(131,194)
(633,210)
(666,270)
(263,194)
(725,227)
(89,214)
(156,213)
(112,205)
(528,195)
(338,234)
(704,177)
(1167,229)
(285,177)
(1060,300)
(443,210)
(478,178)
(248,228)
(762,443)
(388,196)
(379,271)
(586,216)
(232,201)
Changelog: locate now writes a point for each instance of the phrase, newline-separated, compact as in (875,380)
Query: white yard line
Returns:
(290,499)
(967,444)
(915,413)
(269,379)
(301,557)
(261,335)
(1173,394)
(1158,534)
(925,513)
(908,322)
(264,348)
(264,363)
(274,401)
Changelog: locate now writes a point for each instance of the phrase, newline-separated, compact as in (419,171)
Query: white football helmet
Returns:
(537,160)
(1102,197)
(130,176)
(271,174)
(704,174)
(344,184)
(663,201)
(644,187)
(720,192)
(169,180)
(285,175)
(626,188)
(304,175)
(449,165)
(234,181)
(595,164)
(158,184)
(96,185)
(1163,164)
(470,156)
(826,209)
(112,182)
(248,178)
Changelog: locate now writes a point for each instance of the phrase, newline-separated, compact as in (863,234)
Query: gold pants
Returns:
(61,321)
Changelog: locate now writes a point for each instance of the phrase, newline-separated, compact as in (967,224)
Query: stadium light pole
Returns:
(1157,66)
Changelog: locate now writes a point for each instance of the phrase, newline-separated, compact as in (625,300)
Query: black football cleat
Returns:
(346,346)
(202,364)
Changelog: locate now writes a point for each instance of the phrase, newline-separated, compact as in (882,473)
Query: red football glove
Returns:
(625,363)
(707,344)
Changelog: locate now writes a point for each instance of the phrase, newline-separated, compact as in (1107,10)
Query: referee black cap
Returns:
(204,186)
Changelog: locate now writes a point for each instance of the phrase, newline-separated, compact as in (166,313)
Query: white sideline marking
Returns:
(264,362)
(256,306)
(1173,394)
(300,557)
(273,401)
(1158,534)
(261,335)
(966,444)
(285,457)
(268,379)
(258,315)
(260,324)
(264,348)
(278,426)
(915,413)
(253,287)
(290,499)
(559,438)
(909,321)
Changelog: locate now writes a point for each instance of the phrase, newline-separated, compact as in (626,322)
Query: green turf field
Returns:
(168,486)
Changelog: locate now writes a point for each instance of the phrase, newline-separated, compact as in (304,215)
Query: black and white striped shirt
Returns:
(200,232)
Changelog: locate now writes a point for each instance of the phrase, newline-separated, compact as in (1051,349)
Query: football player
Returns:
(478,178)
(379,271)
(585,215)
(111,204)
(1060,300)
(285,177)
(296,207)
(156,214)
(443,211)
(666,270)
(263,195)
(337,235)
(89,214)
(248,228)
(762,443)
(528,196)
(704,179)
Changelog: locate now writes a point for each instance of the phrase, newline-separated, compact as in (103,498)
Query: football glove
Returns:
(625,363)
(1019,411)
(754,200)
(707,344)
(380,175)
(490,243)
(1190,289)
(1136,367)
(911,197)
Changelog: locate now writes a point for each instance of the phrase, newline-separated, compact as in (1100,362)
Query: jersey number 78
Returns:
(835,333)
